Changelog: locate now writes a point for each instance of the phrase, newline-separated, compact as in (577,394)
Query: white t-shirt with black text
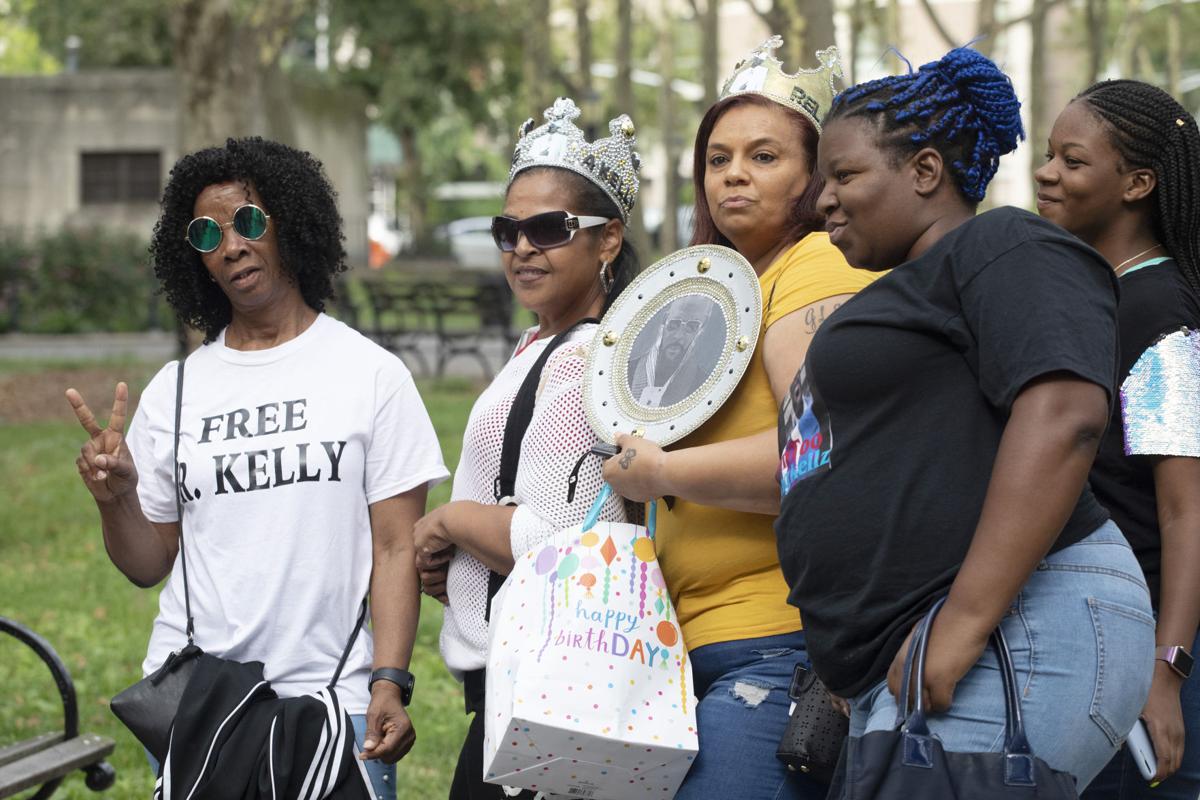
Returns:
(281,453)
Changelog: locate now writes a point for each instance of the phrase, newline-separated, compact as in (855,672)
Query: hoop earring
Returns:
(607,279)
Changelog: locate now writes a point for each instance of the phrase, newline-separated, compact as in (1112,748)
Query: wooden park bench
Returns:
(460,311)
(47,759)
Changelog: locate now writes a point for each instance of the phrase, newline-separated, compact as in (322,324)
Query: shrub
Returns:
(76,281)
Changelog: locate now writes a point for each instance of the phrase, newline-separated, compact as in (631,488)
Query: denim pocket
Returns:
(1124,665)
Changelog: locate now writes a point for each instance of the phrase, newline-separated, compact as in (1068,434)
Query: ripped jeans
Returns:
(743,711)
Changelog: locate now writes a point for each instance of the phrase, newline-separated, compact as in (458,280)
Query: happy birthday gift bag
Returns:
(589,689)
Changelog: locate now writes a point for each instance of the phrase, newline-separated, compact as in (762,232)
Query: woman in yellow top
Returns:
(756,191)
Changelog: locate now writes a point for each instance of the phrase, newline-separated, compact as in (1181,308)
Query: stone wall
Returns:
(48,122)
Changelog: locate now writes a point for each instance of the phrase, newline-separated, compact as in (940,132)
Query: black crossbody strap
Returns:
(187,600)
(362,615)
(519,417)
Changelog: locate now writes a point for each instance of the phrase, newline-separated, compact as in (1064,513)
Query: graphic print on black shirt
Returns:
(809,443)
(917,375)
(1155,301)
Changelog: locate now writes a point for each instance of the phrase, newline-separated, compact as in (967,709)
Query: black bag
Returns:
(148,707)
(233,737)
(815,731)
(909,762)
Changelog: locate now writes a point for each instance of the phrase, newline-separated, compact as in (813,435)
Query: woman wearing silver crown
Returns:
(756,191)
(562,239)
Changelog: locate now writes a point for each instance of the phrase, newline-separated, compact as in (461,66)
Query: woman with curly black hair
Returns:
(1122,173)
(304,451)
(304,217)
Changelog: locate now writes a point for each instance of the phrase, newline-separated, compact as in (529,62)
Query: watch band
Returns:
(401,677)
(1177,658)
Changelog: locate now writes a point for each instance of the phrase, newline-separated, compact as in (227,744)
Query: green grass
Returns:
(120,366)
(56,578)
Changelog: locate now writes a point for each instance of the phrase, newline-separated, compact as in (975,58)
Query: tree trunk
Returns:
(936,21)
(1175,48)
(857,30)
(1126,44)
(1038,129)
(624,84)
(223,61)
(985,27)
(538,91)
(777,18)
(219,83)
(1096,18)
(668,236)
(625,105)
(414,185)
(891,25)
(817,34)
(710,50)
(583,47)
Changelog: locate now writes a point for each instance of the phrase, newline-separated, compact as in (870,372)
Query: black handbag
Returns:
(909,762)
(148,707)
(815,730)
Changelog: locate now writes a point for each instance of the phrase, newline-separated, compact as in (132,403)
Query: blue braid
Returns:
(962,102)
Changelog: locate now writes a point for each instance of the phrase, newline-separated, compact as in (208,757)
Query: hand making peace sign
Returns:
(104,462)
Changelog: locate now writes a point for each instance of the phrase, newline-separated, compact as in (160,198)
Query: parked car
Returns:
(471,243)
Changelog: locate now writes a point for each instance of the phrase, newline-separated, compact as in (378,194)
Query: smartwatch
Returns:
(1178,659)
(401,677)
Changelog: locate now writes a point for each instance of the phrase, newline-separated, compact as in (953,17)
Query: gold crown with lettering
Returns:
(610,163)
(809,91)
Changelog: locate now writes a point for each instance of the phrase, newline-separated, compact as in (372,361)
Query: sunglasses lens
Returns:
(504,233)
(689,326)
(547,230)
(204,234)
(250,222)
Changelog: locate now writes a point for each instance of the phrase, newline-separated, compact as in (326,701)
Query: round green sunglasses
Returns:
(205,233)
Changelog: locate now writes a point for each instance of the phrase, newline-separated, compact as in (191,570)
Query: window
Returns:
(120,177)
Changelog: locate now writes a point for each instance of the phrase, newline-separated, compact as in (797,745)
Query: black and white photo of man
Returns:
(676,351)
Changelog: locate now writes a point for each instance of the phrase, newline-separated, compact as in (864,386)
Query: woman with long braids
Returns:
(964,393)
(1122,173)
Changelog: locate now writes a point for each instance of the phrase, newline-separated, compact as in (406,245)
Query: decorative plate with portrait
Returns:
(674,345)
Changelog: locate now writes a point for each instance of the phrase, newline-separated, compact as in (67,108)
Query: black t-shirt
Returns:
(892,426)
(1155,301)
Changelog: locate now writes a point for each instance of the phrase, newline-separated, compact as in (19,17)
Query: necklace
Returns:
(1117,269)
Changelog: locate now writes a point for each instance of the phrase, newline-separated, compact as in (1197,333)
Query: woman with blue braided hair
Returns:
(965,393)
(1122,173)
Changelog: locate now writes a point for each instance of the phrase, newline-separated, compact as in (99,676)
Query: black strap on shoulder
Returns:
(187,600)
(519,417)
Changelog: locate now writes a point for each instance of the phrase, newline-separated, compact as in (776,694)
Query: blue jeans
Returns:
(1121,780)
(1081,633)
(741,716)
(383,776)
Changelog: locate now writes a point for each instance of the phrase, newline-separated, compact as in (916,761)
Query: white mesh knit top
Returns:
(557,436)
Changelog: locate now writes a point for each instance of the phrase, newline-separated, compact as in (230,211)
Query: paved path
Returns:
(160,346)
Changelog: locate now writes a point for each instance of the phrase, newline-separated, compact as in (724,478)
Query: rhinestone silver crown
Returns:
(611,163)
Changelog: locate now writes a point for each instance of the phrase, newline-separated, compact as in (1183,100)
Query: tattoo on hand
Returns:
(627,459)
